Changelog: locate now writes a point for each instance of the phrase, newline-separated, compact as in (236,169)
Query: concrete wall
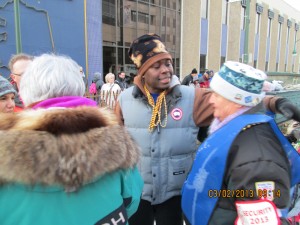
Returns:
(190,36)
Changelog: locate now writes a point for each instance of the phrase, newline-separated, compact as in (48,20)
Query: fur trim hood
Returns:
(68,147)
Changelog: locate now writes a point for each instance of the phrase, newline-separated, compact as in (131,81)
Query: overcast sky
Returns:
(294,3)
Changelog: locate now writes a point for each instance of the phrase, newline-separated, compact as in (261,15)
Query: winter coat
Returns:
(158,188)
(256,155)
(187,80)
(67,166)
(109,94)
(166,159)
(122,83)
(99,82)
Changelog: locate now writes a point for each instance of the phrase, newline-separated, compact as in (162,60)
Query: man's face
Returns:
(18,69)
(122,75)
(158,76)
(7,103)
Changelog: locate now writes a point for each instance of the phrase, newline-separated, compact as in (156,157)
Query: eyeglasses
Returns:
(17,74)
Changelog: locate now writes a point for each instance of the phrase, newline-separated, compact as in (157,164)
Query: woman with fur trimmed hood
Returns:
(63,160)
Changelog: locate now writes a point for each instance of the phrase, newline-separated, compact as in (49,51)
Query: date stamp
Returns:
(244,193)
(239,193)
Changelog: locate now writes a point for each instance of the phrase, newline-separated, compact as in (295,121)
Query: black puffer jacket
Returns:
(255,155)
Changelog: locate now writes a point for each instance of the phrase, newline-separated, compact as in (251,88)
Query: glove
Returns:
(288,109)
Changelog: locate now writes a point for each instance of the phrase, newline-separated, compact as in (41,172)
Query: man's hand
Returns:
(288,109)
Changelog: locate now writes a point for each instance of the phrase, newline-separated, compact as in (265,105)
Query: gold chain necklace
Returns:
(156,109)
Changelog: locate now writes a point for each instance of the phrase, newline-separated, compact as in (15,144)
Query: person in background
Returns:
(204,80)
(211,74)
(121,81)
(17,66)
(64,160)
(7,96)
(110,91)
(98,80)
(195,83)
(245,156)
(189,79)
(164,118)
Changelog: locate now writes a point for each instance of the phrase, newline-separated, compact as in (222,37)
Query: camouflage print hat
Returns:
(146,50)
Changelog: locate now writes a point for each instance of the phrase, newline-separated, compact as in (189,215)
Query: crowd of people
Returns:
(66,159)
(198,80)
(106,94)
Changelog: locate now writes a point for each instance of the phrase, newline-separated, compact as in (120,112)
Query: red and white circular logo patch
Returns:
(176,114)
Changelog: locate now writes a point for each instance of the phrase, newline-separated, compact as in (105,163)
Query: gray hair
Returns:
(51,76)
(107,76)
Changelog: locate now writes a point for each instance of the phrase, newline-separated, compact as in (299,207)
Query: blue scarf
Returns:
(205,175)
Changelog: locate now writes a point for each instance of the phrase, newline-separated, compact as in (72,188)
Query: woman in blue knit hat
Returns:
(243,171)
(7,96)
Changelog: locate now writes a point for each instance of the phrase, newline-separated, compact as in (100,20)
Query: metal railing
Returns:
(105,98)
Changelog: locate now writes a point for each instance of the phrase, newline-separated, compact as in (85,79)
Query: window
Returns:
(202,63)
(168,38)
(204,9)
(267,66)
(269,27)
(280,20)
(152,20)
(257,23)
(288,36)
(224,11)
(259,10)
(222,61)
(163,22)
(243,18)
(295,41)
(279,32)
(142,17)
(109,13)
(133,16)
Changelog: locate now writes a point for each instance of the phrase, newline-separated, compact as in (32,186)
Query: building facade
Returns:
(125,20)
(214,31)
(199,34)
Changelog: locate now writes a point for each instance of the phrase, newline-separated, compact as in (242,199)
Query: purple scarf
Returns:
(65,102)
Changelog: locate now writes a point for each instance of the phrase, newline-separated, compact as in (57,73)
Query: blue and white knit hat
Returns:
(6,87)
(239,83)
